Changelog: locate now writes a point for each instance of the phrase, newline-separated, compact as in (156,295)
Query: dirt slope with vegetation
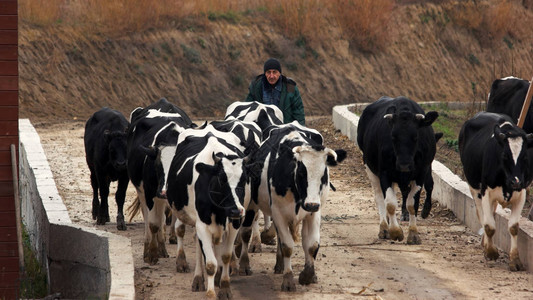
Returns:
(431,50)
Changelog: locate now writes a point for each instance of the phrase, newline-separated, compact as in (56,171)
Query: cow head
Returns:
(405,127)
(227,183)
(514,158)
(117,148)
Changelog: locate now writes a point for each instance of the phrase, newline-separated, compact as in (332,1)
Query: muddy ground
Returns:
(352,262)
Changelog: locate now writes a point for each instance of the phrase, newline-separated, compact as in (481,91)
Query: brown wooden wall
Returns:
(9,266)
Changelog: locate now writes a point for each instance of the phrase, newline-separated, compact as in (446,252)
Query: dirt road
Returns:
(352,262)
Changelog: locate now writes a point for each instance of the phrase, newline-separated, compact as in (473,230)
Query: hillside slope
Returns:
(204,67)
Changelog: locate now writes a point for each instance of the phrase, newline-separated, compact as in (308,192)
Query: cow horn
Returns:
(387,116)
(420,116)
(297,149)
(331,153)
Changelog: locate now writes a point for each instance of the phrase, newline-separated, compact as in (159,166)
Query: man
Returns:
(272,87)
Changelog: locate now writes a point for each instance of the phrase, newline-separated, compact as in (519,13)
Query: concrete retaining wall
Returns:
(453,193)
(81,262)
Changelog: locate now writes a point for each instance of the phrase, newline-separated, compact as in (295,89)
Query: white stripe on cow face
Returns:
(515,144)
(233,169)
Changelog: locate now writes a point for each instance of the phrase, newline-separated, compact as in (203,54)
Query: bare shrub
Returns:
(364,22)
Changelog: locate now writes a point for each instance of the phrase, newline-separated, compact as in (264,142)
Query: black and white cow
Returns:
(398,145)
(498,168)
(264,115)
(507,97)
(292,187)
(105,152)
(208,187)
(152,140)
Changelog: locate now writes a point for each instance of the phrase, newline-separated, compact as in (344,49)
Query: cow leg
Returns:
(255,244)
(286,246)
(489,226)
(413,238)
(120,198)
(395,231)
(311,244)
(94,185)
(103,212)
(380,203)
(268,235)
(181,261)
(428,186)
(162,205)
(245,232)
(405,213)
(173,239)
(198,283)
(226,248)
(514,260)
(206,243)
(156,243)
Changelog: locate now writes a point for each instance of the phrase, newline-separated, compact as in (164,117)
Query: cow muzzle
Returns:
(162,194)
(515,184)
(311,207)
(403,167)
(235,213)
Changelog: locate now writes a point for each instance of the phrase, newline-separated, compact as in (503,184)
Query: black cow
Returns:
(507,97)
(498,168)
(105,152)
(152,140)
(208,187)
(398,145)
(292,187)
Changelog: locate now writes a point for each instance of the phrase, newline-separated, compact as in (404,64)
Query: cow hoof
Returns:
(288,284)
(516,265)
(173,240)
(396,234)
(413,238)
(210,294)
(255,246)
(181,265)
(491,254)
(307,276)
(162,250)
(198,284)
(121,225)
(268,237)
(225,294)
(425,212)
(244,266)
(383,231)
(96,209)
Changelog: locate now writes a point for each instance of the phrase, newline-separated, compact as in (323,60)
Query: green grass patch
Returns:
(33,284)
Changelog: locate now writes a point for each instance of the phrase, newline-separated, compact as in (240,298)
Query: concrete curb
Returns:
(81,262)
(453,193)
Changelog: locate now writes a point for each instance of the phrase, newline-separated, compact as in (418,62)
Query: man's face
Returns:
(272,76)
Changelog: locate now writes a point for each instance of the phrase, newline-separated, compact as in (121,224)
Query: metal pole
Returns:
(17,204)
(525,107)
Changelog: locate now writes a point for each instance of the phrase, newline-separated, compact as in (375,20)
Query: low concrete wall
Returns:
(81,262)
(453,193)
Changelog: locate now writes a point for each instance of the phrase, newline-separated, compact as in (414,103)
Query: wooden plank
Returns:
(6,189)
(9,113)
(8,22)
(9,127)
(8,234)
(9,67)
(9,98)
(10,293)
(7,218)
(7,203)
(9,280)
(9,83)
(8,52)
(8,249)
(8,7)
(8,37)
(9,264)
(5,173)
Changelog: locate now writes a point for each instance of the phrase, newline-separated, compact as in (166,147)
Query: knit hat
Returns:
(272,63)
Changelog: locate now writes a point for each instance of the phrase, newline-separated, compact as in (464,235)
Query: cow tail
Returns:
(134,208)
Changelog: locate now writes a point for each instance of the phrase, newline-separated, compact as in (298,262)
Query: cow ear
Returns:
(150,151)
(206,169)
(498,134)
(217,157)
(429,118)
(339,156)
(529,139)
(296,152)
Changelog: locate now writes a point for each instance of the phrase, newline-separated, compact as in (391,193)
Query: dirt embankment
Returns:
(203,67)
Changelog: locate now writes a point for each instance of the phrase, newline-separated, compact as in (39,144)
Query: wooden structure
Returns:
(9,256)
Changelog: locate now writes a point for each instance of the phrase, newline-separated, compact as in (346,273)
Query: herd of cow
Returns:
(217,177)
